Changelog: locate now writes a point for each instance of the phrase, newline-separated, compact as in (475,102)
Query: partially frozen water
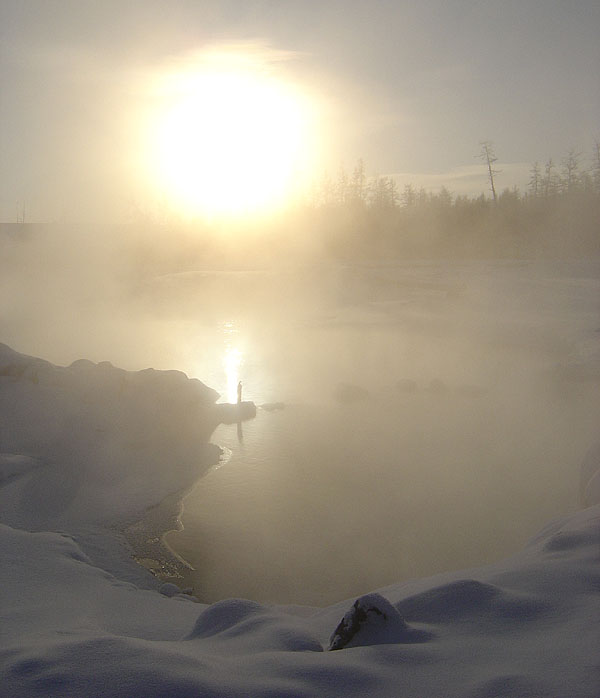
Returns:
(456,466)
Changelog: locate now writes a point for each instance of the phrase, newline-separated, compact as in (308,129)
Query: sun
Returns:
(229,137)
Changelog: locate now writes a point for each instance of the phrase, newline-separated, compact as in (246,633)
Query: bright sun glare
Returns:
(229,137)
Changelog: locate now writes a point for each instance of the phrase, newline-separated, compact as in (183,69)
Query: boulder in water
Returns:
(232,412)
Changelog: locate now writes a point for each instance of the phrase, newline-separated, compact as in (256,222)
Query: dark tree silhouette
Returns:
(358,184)
(570,172)
(535,180)
(489,157)
(549,180)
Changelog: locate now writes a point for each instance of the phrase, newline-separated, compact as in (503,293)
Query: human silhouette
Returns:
(239,392)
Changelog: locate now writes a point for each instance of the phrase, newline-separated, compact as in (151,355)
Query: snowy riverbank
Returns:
(90,446)
(95,450)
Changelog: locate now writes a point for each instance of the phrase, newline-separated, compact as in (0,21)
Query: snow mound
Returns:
(233,620)
(224,615)
(169,589)
(107,443)
(372,620)
(15,465)
(509,686)
(86,444)
(100,380)
(466,599)
(524,626)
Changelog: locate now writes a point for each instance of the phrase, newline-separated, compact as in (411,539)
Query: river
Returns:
(459,438)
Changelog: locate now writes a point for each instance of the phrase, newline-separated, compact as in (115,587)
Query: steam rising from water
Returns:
(468,441)
(232,361)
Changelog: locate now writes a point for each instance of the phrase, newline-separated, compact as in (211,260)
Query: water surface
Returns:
(458,465)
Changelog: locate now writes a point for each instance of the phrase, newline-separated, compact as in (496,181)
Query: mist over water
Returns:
(466,443)
(477,402)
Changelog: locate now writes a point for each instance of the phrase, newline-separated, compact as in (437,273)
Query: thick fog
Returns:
(435,412)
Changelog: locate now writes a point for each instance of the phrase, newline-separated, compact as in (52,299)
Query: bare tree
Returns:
(443,198)
(409,196)
(358,183)
(341,189)
(328,194)
(489,157)
(383,192)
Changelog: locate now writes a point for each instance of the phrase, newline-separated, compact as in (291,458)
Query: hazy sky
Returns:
(410,87)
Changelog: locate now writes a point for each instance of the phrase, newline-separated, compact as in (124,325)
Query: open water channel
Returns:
(474,400)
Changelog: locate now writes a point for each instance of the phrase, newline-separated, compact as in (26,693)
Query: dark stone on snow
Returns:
(373,620)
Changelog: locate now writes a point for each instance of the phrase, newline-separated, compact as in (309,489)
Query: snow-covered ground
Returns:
(89,446)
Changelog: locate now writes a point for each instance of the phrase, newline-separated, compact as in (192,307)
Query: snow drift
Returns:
(85,446)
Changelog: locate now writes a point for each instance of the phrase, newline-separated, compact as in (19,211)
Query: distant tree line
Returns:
(353,216)
(559,213)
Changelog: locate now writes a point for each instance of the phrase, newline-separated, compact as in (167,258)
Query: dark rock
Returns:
(373,620)
(231,413)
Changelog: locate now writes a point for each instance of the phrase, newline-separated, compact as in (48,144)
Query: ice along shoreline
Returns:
(146,536)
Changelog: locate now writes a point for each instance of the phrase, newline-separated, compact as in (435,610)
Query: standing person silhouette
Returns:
(239,392)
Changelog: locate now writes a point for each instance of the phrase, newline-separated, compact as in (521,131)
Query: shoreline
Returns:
(146,539)
(145,536)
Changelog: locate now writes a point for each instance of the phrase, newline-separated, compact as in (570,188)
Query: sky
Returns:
(412,88)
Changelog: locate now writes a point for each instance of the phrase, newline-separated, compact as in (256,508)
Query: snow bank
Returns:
(84,445)
(526,626)
(106,443)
